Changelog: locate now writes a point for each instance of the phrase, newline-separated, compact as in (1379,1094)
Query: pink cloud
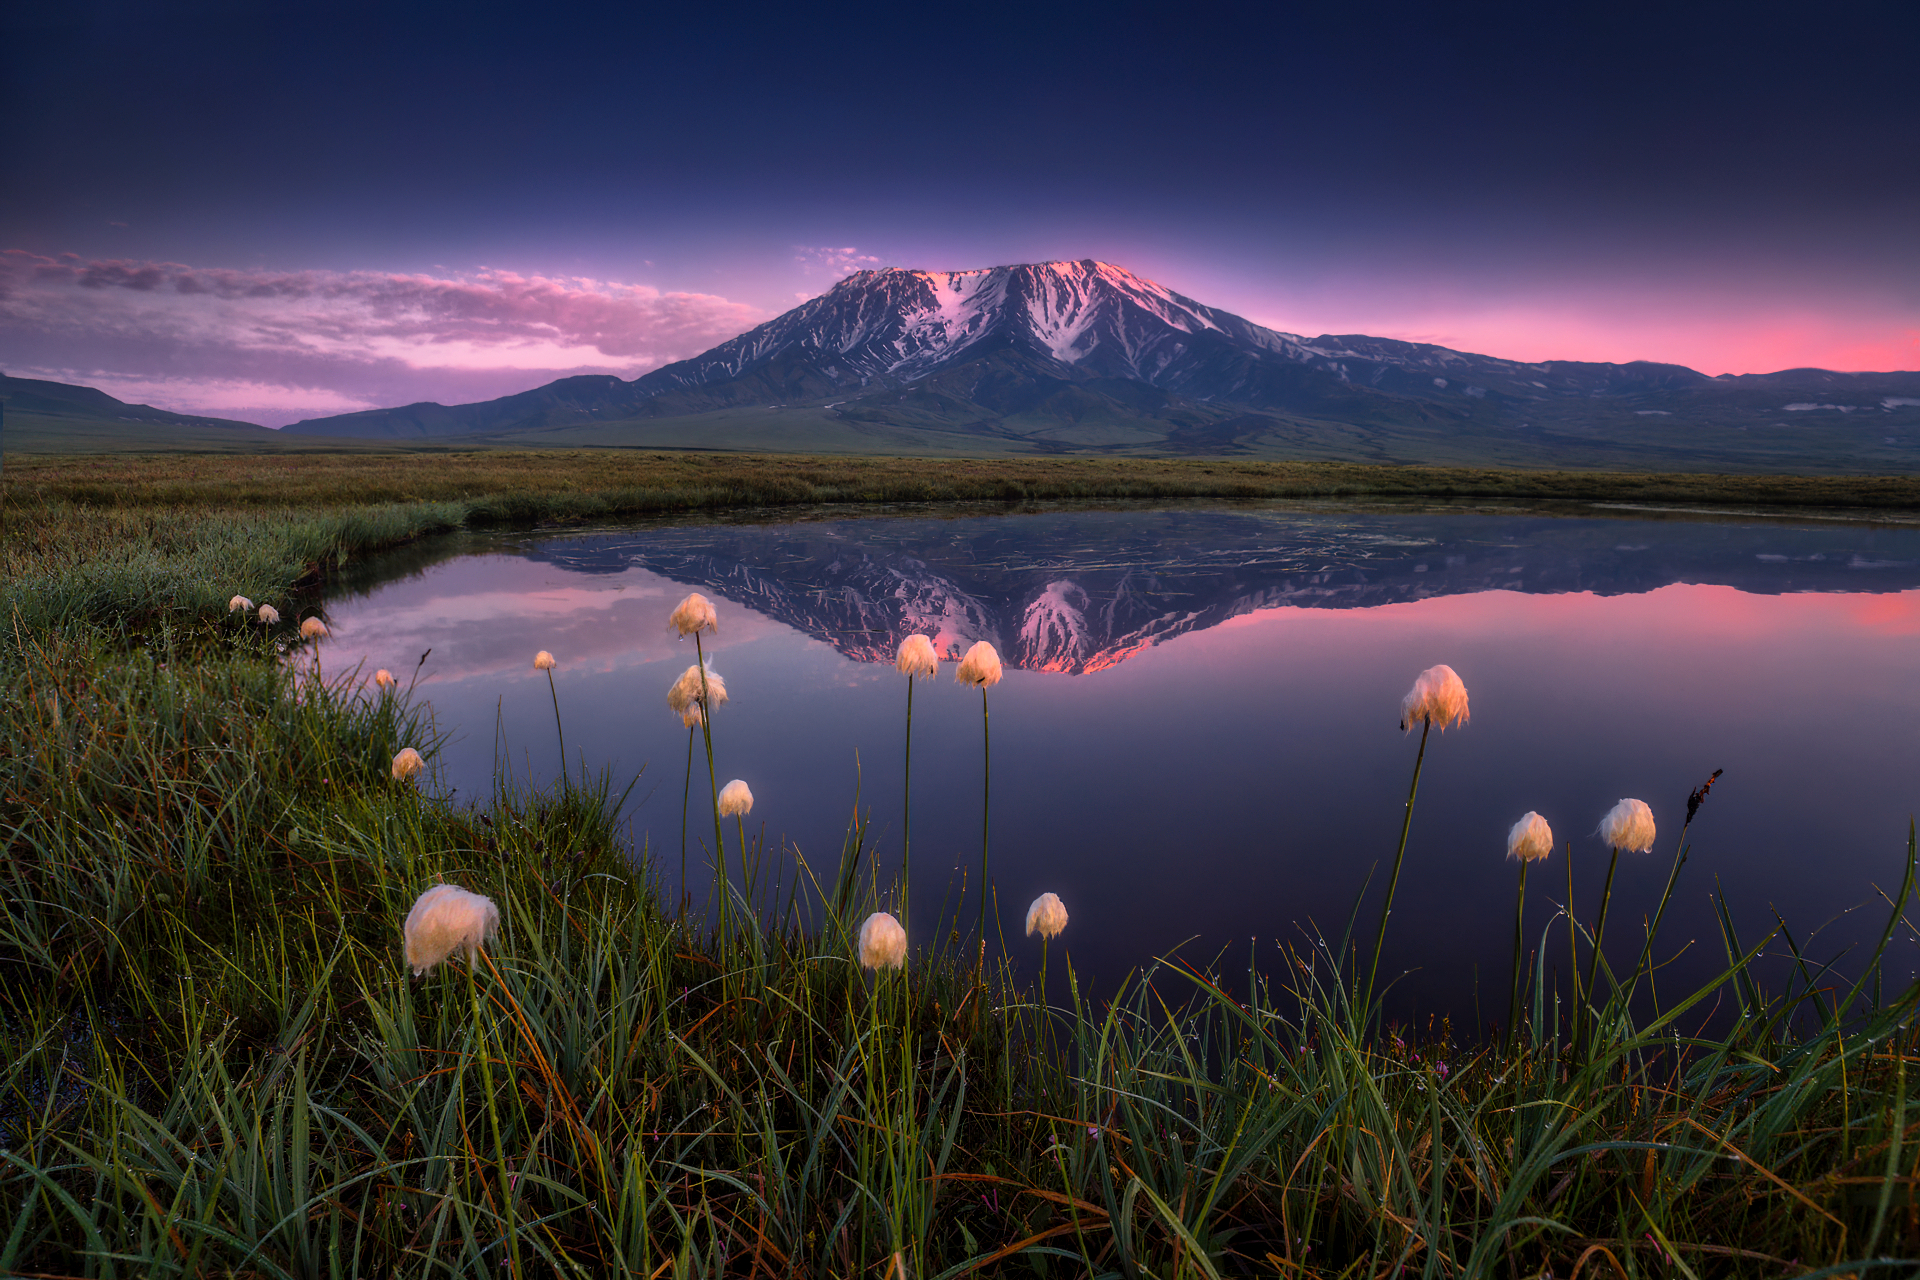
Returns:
(200,338)
(830,261)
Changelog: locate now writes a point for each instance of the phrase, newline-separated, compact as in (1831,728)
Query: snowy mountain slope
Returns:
(1086,356)
(902,325)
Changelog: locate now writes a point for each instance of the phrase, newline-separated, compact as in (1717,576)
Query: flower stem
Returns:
(1519,915)
(1400,855)
(986,793)
(906,807)
(686,794)
(740,819)
(558,728)
(1600,929)
(493,1114)
(1573,949)
(1646,951)
(724,883)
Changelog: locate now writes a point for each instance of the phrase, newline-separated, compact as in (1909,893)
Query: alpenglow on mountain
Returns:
(898,327)
(1085,356)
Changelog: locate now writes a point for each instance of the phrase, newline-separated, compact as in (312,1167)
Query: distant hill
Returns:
(55,417)
(1085,357)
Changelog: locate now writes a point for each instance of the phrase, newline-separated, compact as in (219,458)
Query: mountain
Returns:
(1087,357)
(61,399)
(58,417)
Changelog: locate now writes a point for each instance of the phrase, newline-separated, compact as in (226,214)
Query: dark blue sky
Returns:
(1731,186)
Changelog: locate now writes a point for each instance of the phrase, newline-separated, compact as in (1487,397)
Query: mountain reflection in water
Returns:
(1227,769)
(1081,592)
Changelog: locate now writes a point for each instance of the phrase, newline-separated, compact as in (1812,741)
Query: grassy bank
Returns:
(121,543)
(597,484)
(216,1062)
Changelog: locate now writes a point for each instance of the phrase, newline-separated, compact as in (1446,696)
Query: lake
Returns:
(1196,740)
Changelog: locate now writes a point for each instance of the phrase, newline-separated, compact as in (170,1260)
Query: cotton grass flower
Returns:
(268,615)
(406,764)
(543,661)
(735,798)
(1628,825)
(980,668)
(883,943)
(312,629)
(239,604)
(447,920)
(1531,839)
(1438,697)
(700,687)
(916,657)
(694,615)
(1047,916)
(686,690)
(384,678)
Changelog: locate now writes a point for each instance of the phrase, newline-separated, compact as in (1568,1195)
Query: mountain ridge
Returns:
(1085,356)
(67,399)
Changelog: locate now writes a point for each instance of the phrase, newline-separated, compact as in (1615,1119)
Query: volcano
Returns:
(1085,356)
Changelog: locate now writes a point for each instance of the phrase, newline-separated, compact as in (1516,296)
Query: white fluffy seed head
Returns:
(312,629)
(239,604)
(735,798)
(407,763)
(1531,838)
(980,668)
(690,715)
(268,615)
(686,690)
(694,614)
(543,661)
(1047,916)
(1437,696)
(917,657)
(447,920)
(384,678)
(1628,825)
(883,943)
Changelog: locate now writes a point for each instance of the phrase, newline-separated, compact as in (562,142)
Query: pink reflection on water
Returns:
(486,616)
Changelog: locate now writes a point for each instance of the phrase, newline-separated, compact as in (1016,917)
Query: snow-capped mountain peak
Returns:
(902,325)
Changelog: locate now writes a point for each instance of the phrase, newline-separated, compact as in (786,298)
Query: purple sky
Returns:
(274,215)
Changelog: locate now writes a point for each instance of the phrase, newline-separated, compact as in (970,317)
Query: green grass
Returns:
(213,1060)
(592,484)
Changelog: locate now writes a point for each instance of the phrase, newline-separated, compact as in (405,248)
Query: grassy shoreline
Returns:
(215,1063)
(566,484)
(126,542)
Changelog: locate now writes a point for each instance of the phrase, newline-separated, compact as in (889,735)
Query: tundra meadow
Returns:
(269,1006)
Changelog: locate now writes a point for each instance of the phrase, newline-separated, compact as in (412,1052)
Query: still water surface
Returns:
(1195,744)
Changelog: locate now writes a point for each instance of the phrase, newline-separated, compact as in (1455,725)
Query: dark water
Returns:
(1195,744)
